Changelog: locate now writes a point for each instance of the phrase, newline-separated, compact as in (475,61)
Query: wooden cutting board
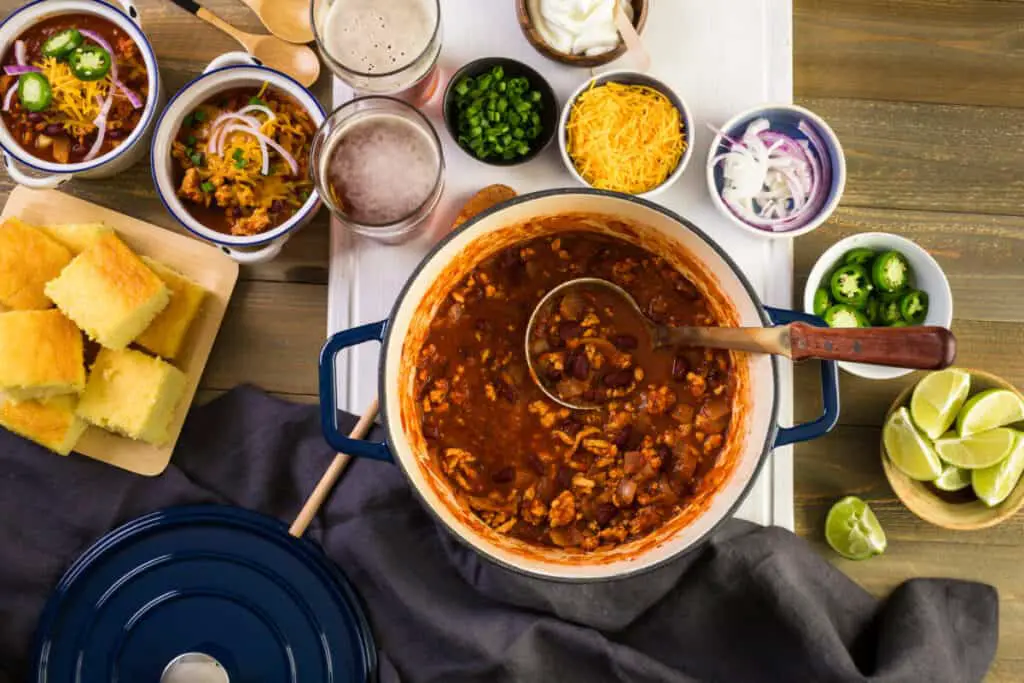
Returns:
(199,261)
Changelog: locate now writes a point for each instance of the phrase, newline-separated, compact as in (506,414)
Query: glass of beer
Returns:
(378,166)
(381,47)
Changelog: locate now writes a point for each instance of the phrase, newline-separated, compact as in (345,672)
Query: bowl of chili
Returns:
(529,484)
(231,153)
(878,279)
(80,87)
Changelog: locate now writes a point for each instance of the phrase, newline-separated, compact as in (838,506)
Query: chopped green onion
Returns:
(207,186)
(199,115)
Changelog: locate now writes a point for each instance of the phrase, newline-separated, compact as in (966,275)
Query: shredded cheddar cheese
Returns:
(77,102)
(625,138)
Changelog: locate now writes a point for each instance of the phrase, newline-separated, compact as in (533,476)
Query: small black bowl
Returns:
(513,69)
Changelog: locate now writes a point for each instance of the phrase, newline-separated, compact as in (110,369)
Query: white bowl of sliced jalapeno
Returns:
(876,279)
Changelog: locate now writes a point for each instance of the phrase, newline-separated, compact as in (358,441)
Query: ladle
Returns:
(287,19)
(921,348)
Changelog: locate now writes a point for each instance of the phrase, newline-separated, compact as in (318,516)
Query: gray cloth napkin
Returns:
(754,604)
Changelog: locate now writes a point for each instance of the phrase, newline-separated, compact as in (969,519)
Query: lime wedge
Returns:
(978,451)
(908,449)
(937,399)
(993,484)
(988,410)
(953,478)
(853,531)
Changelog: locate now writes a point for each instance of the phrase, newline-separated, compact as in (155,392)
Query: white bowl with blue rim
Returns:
(27,169)
(802,126)
(230,70)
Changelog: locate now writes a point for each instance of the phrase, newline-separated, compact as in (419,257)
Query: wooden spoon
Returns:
(287,19)
(921,348)
(632,39)
(297,61)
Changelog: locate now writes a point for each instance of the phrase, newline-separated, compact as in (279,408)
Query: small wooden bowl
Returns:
(955,511)
(534,37)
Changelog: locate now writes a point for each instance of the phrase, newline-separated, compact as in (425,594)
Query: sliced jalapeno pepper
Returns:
(842,315)
(886,297)
(889,314)
(851,285)
(89,62)
(891,272)
(34,91)
(822,301)
(900,323)
(914,307)
(63,43)
(861,256)
(873,311)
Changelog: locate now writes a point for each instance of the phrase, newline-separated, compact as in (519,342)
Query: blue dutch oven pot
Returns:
(755,431)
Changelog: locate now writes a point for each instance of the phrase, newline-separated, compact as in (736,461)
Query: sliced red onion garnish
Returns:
(102,42)
(292,164)
(260,108)
(132,96)
(18,69)
(9,96)
(20,53)
(217,136)
(101,124)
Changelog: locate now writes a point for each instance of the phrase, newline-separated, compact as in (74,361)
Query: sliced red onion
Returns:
(102,42)
(18,69)
(292,164)
(260,108)
(9,96)
(20,53)
(101,124)
(132,96)
(217,137)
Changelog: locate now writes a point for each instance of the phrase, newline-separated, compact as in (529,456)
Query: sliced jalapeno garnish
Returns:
(62,43)
(34,91)
(822,301)
(842,315)
(851,285)
(861,256)
(889,313)
(891,272)
(914,307)
(873,311)
(89,62)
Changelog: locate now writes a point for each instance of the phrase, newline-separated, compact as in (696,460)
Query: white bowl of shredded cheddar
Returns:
(626,132)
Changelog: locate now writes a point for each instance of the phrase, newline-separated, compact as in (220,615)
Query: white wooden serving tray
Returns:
(721,56)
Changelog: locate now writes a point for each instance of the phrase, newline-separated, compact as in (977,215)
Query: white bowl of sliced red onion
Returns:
(776,171)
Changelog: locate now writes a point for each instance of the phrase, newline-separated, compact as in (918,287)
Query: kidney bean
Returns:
(276,206)
(504,475)
(35,117)
(679,368)
(622,438)
(618,379)
(115,134)
(507,391)
(590,396)
(604,513)
(53,129)
(625,342)
(569,329)
(580,366)
(665,453)
(554,375)
(431,430)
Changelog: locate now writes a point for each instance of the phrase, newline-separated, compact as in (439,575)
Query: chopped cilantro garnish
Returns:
(239,164)
(256,100)
(187,121)
(237,155)
(190,141)
(197,158)
(199,115)
(206,186)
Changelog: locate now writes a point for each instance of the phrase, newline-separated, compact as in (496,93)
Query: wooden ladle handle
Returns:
(921,348)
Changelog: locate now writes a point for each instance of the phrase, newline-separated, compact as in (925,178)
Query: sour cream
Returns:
(578,27)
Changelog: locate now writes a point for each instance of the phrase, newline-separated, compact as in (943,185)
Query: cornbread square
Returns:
(109,292)
(76,237)
(51,423)
(165,335)
(28,260)
(133,394)
(41,355)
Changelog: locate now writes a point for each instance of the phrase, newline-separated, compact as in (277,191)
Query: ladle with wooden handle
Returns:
(287,19)
(921,348)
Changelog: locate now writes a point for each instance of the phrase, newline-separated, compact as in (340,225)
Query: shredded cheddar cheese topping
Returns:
(76,102)
(625,138)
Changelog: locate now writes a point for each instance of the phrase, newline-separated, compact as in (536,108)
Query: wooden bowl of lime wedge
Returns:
(953,449)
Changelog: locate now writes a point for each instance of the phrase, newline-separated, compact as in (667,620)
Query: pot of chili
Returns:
(563,495)
(80,88)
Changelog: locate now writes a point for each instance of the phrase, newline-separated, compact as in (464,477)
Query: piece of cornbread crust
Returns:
(166,334)
(41,355)
(28,260)
(133,394)
(76,237)
(109,292)
(51,423)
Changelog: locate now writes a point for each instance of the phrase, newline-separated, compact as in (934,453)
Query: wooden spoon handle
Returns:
(632,39)
(212,19)
(921,348)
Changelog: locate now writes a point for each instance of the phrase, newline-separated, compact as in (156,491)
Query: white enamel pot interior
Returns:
(230,70)
(42,174)
(754,429)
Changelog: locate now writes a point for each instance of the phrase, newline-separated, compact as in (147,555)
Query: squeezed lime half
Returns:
(853,531)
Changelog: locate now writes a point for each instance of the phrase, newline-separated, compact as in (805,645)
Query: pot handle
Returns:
(248,257)
(36,182)
(829,387)
(328,400)
(131,10)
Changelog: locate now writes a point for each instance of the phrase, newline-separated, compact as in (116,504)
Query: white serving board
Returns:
(721,56)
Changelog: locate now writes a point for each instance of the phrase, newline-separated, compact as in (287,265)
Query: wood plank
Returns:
(929,156)
(271,338)
(204,396)
(945,51)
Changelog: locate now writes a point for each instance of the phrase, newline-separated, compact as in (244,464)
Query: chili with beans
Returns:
(535,470)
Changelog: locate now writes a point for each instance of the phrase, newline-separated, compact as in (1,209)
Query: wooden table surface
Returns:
(928,99)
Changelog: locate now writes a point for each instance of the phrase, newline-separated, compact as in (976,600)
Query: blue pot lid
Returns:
(218,580)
